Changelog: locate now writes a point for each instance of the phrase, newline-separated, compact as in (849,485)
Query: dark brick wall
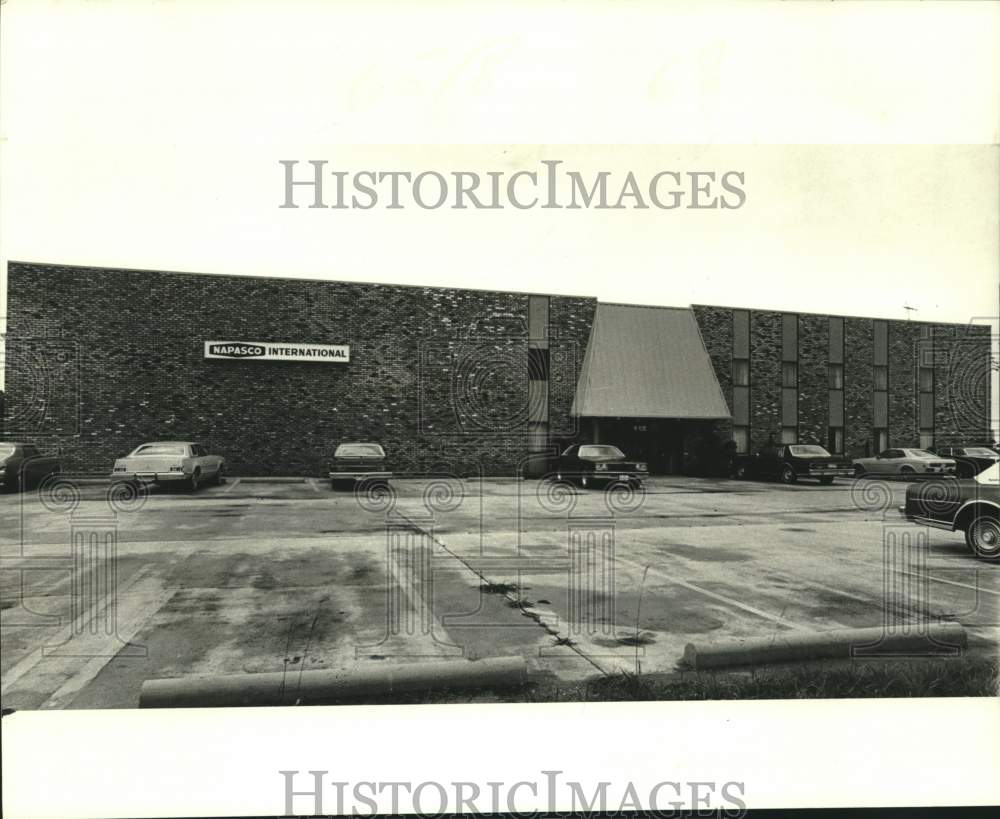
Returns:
(570,321)
(814,380)
(961,406)
(903,338)
(765,377)
(960,358)
(716,326)
(858,383)
(105,359)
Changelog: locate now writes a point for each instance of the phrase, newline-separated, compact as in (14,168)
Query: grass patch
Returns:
(954,677)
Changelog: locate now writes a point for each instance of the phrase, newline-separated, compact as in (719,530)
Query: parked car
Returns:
(170,462)
(969,460)
(358,462)
(23,466)
(789,462)
(970,505)
(910,463)
(589,464)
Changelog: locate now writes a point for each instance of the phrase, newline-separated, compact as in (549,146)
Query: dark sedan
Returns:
(969,505)
(354,463)
(789,462)
(23,466)
(969,460)
(589,464)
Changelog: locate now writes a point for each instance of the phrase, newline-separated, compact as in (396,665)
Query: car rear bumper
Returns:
(148,477)
(360,476)
(920,520)
(617,476)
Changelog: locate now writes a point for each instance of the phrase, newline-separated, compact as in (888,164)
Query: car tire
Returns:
(982,536)
(788,475)
(740,473)
(859,471)
(826,481)
(194,482)
(220,476)
(907,472)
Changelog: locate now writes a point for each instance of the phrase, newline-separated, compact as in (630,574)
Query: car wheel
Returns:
(907,472)
(220,476)
(788,475)
(826,481)
(983,537)
(741,472)
(195,480)
(859,471)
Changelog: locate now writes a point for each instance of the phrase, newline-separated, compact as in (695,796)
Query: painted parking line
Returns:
(934,579)
(135,602)
(134,611)
(729,601)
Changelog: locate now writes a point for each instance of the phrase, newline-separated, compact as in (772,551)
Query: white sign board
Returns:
(278,351)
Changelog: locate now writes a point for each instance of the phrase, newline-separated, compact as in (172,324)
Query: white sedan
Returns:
(905,462)
(177,462)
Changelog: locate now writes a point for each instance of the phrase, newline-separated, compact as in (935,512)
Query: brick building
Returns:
(100,360)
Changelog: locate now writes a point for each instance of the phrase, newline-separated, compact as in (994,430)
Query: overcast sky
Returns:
(148,135)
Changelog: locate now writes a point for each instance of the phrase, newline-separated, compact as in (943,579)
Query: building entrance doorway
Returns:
(669,446)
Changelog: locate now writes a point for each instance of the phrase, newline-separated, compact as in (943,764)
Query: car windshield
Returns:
(6,450)
(359,451)
(809,450)
(980,452)
(600,452)
(921,453)
(161,449)
(990,475)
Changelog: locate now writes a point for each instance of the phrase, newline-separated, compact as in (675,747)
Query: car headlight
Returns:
(601,467)
(641,467)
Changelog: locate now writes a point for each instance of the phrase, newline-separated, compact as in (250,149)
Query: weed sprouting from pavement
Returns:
(638,616)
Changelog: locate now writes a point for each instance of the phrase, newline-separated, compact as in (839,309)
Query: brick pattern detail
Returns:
(961,371)
(716,326)
(903,339)
(570,322)
(858,384)
(765,377)
(439,376)
(961,368)
(814,379)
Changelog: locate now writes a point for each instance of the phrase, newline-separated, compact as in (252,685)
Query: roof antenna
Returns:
(909,310)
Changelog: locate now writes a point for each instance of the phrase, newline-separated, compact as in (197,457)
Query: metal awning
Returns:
(647,362)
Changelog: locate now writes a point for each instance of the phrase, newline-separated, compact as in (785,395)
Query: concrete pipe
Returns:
(839,644)
(293,686)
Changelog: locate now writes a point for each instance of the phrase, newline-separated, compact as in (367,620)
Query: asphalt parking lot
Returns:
(260,575)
